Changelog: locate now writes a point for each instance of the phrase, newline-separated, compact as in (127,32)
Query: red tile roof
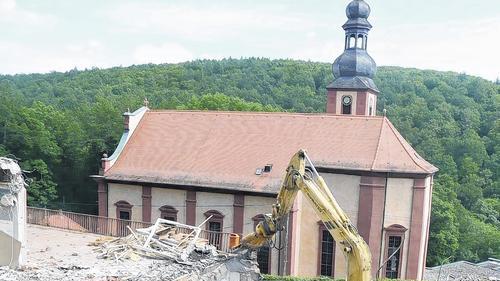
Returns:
(224,149)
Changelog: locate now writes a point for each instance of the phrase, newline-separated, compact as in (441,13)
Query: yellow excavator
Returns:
(301,175)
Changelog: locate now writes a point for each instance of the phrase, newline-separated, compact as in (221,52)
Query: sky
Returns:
(59,35)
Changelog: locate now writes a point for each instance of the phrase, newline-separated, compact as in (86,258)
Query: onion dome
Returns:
(355,68)
(354,62)
(357,9)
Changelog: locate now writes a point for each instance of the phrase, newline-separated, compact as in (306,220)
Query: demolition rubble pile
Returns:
(188,256)
(164,240)
(165,251)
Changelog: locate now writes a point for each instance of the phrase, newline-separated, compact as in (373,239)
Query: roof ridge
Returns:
(400,138)
(378,144)
(260,113)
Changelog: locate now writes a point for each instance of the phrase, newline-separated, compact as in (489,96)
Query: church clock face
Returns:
(346,100)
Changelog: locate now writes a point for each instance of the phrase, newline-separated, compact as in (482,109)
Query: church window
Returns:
(352,41)
(124,215)
(394,238)
(264,253)
(214,227)
(168,213)
(394,252)
(326,263)
(360,42)
(346,104)
(123,210)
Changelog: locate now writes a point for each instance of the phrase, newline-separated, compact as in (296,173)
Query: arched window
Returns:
(264,253)
(215,225)
(346,104)
(393,253)
(360,42)
(123,210)
(352,41)
(216,222)
(168,213)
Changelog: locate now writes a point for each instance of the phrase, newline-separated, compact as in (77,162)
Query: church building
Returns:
(190,165)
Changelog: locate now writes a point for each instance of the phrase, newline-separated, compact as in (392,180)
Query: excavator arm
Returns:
(307,179)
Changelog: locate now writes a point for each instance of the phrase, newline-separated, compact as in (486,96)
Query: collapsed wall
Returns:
(12,213)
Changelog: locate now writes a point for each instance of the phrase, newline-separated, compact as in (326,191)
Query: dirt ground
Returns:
(56,254)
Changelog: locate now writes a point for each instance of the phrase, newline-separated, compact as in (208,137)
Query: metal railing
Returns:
(108,226)
(82,222)
(218,239)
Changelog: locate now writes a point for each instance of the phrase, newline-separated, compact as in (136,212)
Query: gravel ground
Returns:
(54,254)
(461,270)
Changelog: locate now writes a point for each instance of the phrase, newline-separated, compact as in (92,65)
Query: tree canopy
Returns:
(59,124)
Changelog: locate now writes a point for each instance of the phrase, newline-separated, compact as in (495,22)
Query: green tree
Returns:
(444,228)
(41,189)
(68,120)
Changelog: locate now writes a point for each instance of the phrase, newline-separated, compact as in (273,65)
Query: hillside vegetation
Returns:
(59,124)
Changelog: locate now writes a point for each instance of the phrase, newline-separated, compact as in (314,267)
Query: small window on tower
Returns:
(346,104)
(360,42)
(370,108)
(352,41)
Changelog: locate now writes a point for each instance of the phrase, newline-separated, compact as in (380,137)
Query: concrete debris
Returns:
(228,269)
(11,173)
(12,213)
(127,259)
(164,240)
(190,257)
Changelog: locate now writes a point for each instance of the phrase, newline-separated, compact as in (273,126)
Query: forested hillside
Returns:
(59,124)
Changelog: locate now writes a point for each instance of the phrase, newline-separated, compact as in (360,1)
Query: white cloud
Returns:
(10,13)
(20,58)
(316,50)
(126,32)
(165,53)
(203,23)
(469,46)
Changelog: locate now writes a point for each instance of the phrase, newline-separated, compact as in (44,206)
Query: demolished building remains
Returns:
(12,213)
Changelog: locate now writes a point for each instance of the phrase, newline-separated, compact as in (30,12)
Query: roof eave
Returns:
(189,185)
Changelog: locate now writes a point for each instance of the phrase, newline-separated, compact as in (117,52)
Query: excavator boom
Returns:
(302,176)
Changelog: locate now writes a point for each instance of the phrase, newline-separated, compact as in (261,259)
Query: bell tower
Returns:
(353,91)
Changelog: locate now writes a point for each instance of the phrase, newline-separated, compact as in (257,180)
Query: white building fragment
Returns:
(12,214)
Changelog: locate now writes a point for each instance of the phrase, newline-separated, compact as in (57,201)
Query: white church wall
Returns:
(126,192)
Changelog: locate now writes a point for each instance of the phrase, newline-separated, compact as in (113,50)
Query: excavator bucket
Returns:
(263,232)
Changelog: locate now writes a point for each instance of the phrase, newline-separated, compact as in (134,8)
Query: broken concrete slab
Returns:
(11,249)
